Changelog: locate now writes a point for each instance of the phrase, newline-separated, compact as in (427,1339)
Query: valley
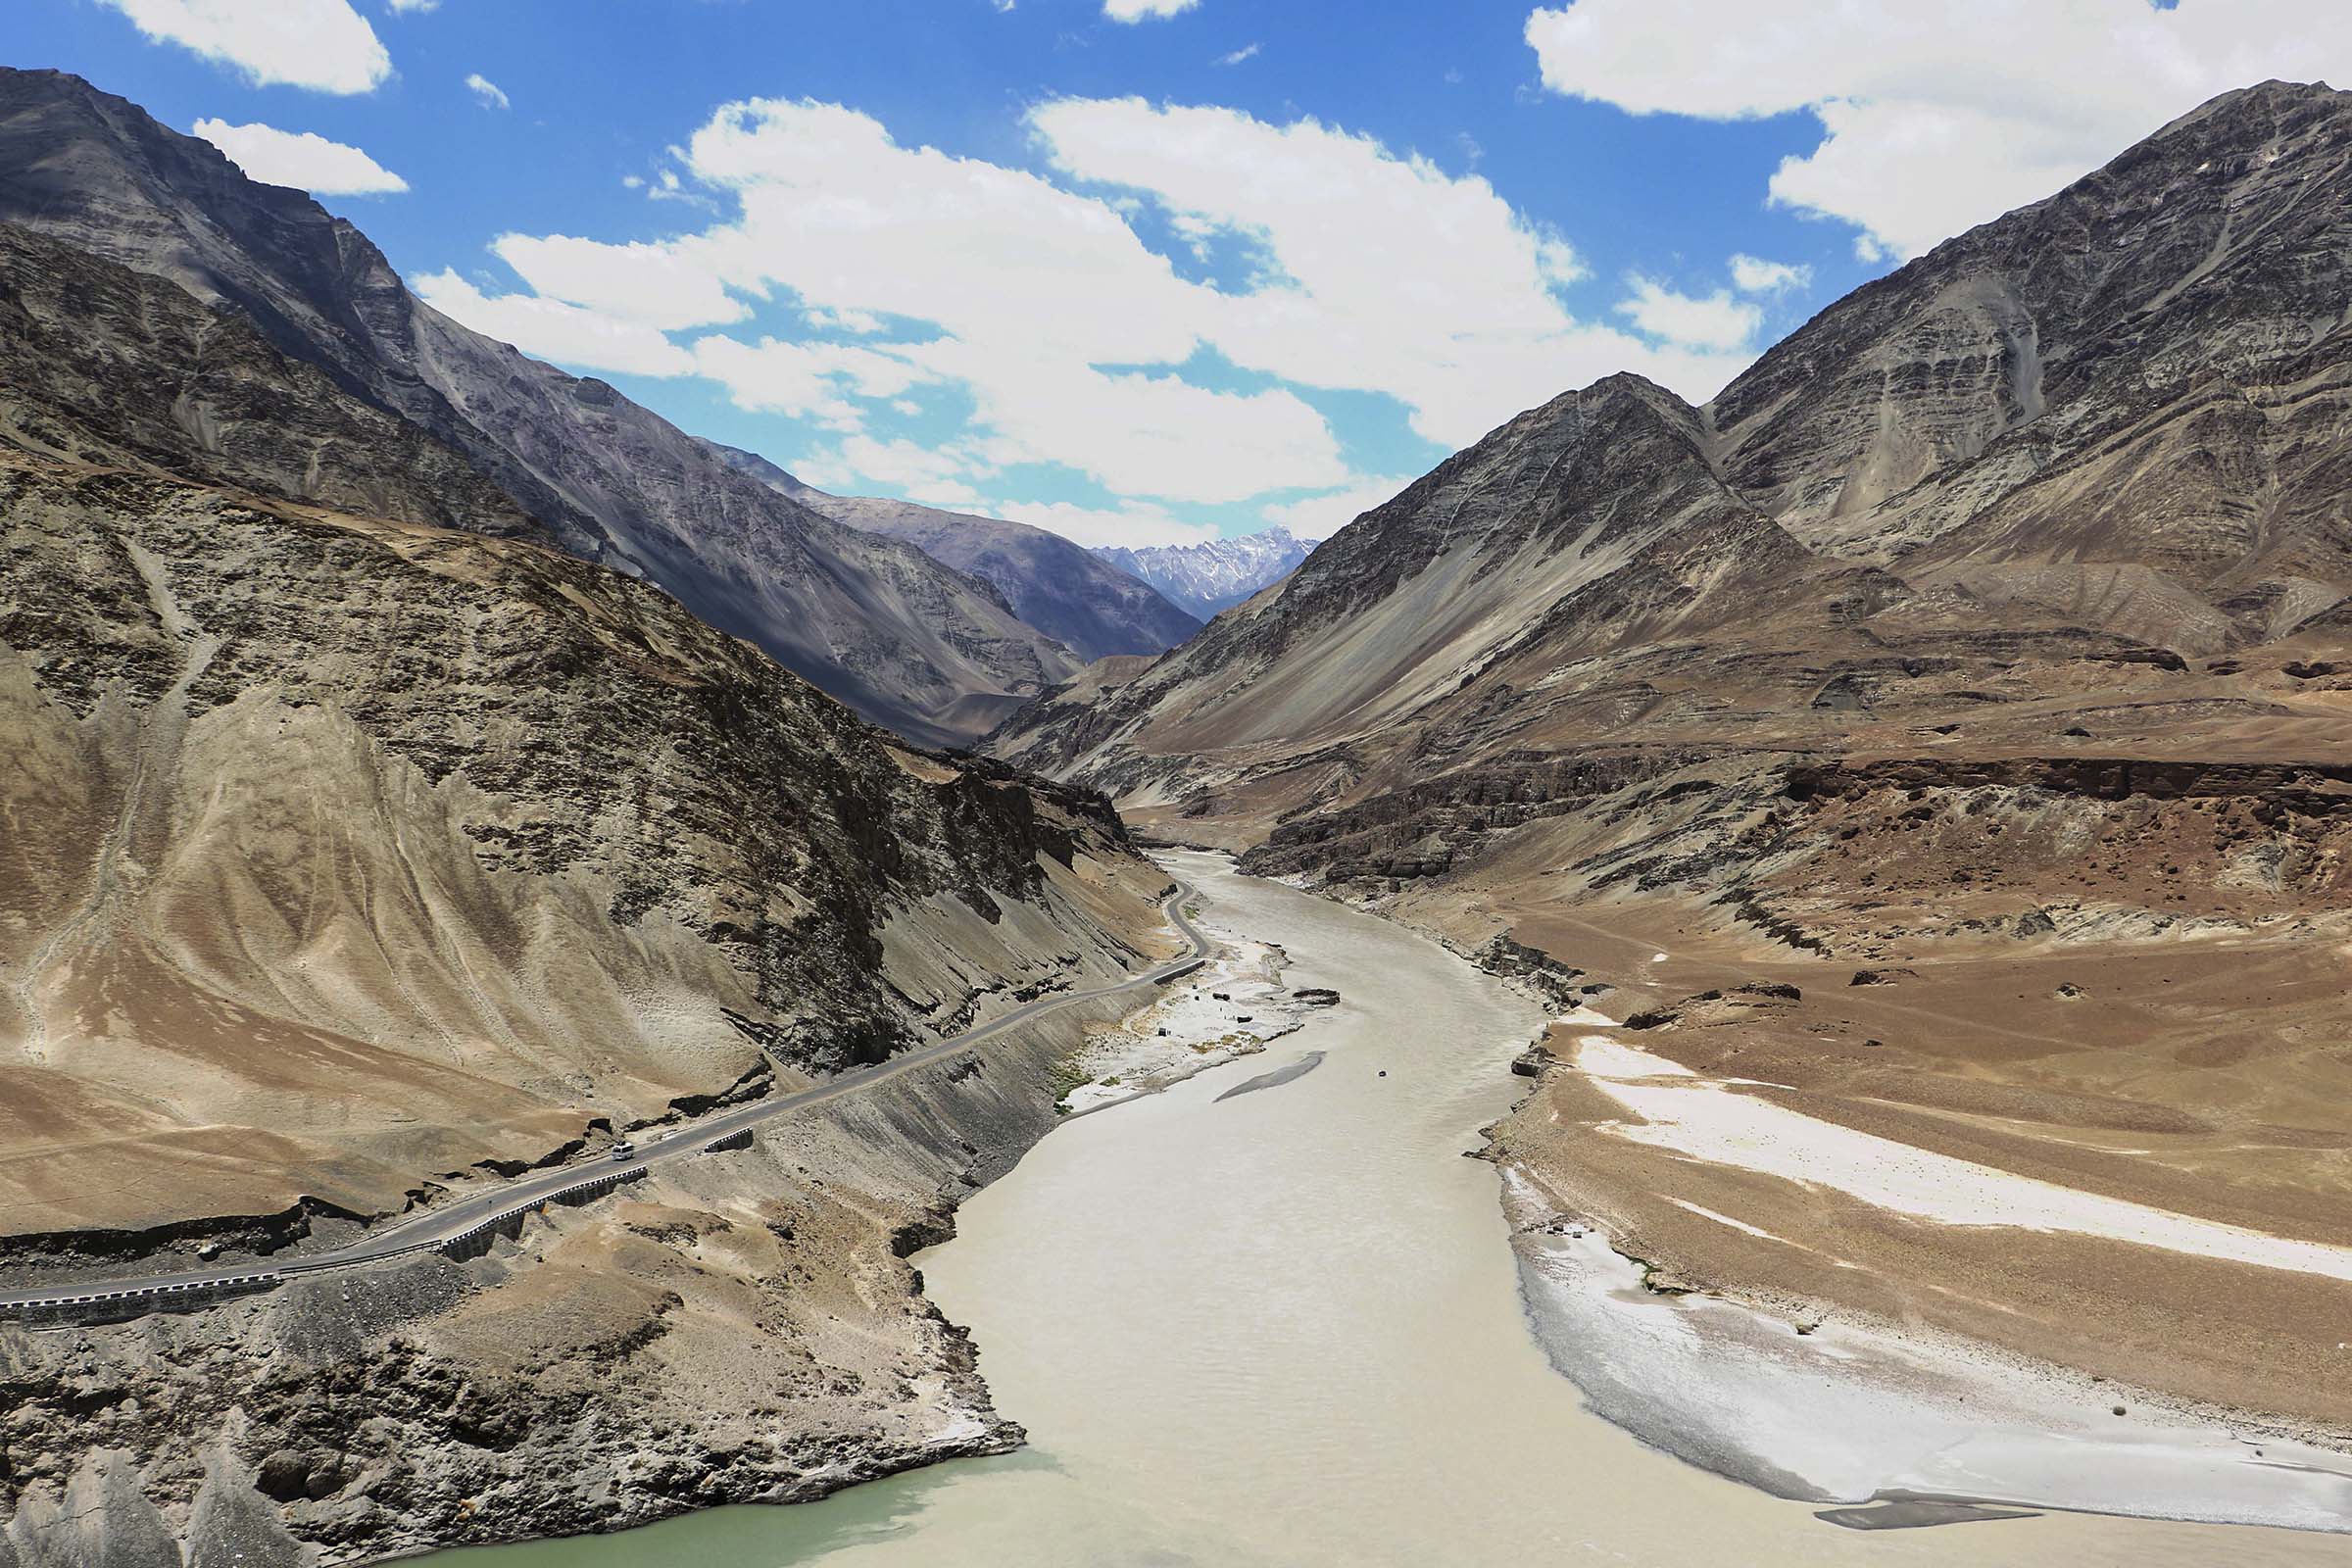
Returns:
(1286,1328)
(556,977)
(1941,736)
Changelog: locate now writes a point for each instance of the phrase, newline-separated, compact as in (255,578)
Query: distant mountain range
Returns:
(1064,590)
(1206,578)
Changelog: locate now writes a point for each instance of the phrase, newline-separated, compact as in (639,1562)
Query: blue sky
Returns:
(1142,279)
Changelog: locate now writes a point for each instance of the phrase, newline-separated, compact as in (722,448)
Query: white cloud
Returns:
(320,44)
(1321,517)
(666,186)
(1752,275)
(665,287)
(487,91)
(1140,10)
(401,8)
(299,159)
(1713,321)
(1053,331)
(1934,123)
(1389,273)
(938,476)
(812,379)
(1248,51)
(858,321)
(1028,289)
(552,329)
(1134,524)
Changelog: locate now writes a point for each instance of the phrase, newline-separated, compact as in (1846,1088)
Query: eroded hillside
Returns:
(354,864)
(354,851)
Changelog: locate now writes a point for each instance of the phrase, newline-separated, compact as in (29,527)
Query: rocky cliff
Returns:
(880,624)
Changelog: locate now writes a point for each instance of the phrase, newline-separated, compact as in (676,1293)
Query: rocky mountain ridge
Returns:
(1070,594)
(877,624)
(1214,574)
(2100,426)
(103,365)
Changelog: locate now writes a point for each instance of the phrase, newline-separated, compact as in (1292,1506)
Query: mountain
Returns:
(1215,576)
(2093,436)
(364,850)
(367,787)
(880,624)
(354,864)
(377,834)
(1068,592)
(1944,731)
(101,365)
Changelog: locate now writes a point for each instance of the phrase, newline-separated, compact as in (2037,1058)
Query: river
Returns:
(1286,1329)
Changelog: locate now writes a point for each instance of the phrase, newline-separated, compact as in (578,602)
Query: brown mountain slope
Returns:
(1990,634)
(2120,403)
(877,624)
(344,852)
(348,865)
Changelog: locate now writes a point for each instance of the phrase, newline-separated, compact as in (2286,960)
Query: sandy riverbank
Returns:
(1832,1405)
(1285,1329)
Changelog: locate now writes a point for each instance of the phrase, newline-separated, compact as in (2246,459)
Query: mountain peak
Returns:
(1215,575)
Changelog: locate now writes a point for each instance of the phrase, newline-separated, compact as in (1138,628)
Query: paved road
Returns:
(440,1226)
